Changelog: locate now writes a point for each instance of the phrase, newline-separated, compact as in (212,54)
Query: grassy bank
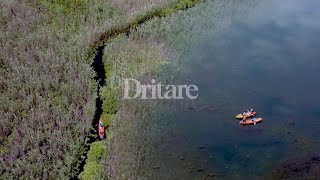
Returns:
(124,58)
(128,57)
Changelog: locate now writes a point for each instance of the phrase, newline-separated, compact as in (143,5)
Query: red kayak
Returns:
(101,129)
(246,115)
(250,121)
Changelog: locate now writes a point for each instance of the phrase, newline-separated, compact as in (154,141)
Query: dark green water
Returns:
(269,61)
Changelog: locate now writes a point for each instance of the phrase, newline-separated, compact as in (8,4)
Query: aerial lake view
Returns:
(160,89)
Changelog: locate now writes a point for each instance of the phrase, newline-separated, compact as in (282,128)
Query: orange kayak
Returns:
(250,121)
(101,130)
(248,114)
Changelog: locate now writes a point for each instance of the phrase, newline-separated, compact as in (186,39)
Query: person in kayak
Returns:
(254,121)
(101,129)
(248,112)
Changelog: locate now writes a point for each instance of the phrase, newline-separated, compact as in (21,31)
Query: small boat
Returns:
(101,129)
(246,115)
(250,121)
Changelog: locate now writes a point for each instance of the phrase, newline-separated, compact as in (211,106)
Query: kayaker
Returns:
(248,112)
(101,130)
(245,112)
(254,121)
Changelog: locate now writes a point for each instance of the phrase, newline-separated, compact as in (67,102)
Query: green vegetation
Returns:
(107,119)
(93,168)
(159,11)
(110,96)
(126,58)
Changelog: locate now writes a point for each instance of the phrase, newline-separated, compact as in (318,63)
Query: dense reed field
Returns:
(47,87)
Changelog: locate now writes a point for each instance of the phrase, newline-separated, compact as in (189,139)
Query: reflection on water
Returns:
(269,61)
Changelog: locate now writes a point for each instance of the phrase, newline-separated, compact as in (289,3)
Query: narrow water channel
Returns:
(100,77)
(98,67)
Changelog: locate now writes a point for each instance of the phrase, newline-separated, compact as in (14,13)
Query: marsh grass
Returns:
(47,87)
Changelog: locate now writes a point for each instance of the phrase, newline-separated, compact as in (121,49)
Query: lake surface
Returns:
(269,61)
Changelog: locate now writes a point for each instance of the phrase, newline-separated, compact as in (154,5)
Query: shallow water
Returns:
(268,61)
